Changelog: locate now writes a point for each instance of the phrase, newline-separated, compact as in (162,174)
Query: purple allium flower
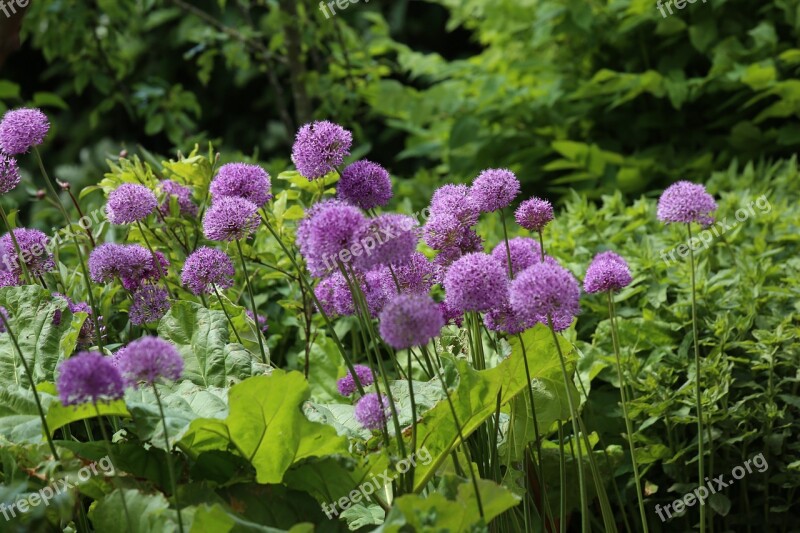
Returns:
(475,282)
(686,202)
(319,148)
(417,275)
(205,268)
(365,184)
(132,263)
(328,228)
(524,252)
(385,240)
(410,320)
(88,377)
(150,303)
(451,316)
(347,385)
(454,200)
(325,293)
(250,182)
(22,129)
(9,174)
(546,289)
(342,298)
(153,269)
(33,246)
(494,189)
(372,411)
(262,321)
(169,189)
(607,272)
(443,231)
(130,203)
(87,329)
(103,266)
(534,214)
(148,359)
(505,320)
(9,279)
(231,218)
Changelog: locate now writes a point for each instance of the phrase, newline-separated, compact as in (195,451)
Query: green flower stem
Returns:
(252,303)
(155,259)
(413,425)
(623,397)
(33,386)
(84,271)
(541,243)
(107,442)
(224,310)
(302,279)
(508,246)
(170,466)
(562,470)
(21,263)
(698,393)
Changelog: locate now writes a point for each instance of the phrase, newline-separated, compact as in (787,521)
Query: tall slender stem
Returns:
(32,383)
(107,442)
(224,310)
(252,303)
(698,394)
(170,466)
(623,397)
(21,263)
(508,246)
(155,257)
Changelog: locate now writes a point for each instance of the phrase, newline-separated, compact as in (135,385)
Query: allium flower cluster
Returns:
(388,240)
(231,218)
(347,385)
(686,202)
(132,263)
(451,316)
(130,203)
(88,377)
(150,303)
(149,359)
(417,275)
(319,148)
(169,189)
(546,289)
(372,411)
(410,320)
(494,189)
(9,174)
(365,184)
(534,214)
(607,272)
(448,229)
(22,129)
(33,246)
(475,282)
(455,200)
(524,253)
(250,182)
(505,320)
(205,268)
(329,228)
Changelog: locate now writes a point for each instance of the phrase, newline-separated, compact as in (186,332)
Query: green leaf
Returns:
(43,99)
(59,415)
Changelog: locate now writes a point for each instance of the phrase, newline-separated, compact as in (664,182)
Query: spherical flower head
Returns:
(150,303)
(546,289)
(152,269)
(33,246)
(410,320)
(455,200)
(319,148)
(365,184)
(206,268)
(524,252)
(9,174)
(686,202)
(149,359)
(505,320)
(341,297)
(494,189)
(89,377)
(329,228)
(475,282)
(22,129)
(250,182)
(386,240)
(231,218)
(607,272)
(347,385)
(372,411)
(169,189)
(451,316)
(129,262)
(443,231)
(325,293)
(262,321)
(130,203)
(468,242)
(417,275)
(534,214)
